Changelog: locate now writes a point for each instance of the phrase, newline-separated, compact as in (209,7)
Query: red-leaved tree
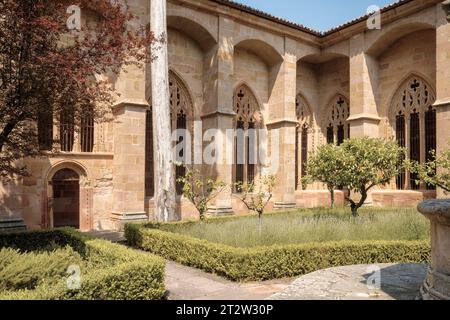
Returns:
(47,70)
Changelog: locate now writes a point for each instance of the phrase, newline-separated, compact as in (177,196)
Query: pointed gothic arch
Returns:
(412,118)
(181,102)
(302,137)
(247,121)
(335,122)
(182,120)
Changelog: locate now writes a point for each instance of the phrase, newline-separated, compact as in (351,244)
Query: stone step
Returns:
(12,225)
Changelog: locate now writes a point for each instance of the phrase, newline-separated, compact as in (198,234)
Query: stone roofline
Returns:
(250,16)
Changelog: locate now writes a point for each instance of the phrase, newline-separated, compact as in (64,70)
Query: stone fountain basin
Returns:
(436,210)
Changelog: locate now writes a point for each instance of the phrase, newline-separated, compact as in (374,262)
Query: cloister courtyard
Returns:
(206,150)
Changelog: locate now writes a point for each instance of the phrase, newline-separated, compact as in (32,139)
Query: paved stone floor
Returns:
(184,283)
(398,282)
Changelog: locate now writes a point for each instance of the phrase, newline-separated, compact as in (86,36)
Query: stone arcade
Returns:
(313,87)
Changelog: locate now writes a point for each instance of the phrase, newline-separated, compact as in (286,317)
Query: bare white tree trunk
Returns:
(165,201)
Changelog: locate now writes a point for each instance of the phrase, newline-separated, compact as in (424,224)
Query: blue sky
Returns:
(317,14)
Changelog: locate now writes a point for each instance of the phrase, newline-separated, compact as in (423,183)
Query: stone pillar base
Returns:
(436,286)
(12,224)
(220,211)
(121,219)
(284,205)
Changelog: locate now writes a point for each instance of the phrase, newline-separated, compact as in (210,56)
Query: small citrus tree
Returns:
(200,192)
(369,162)
(436,172)
(325,166)
(256,195)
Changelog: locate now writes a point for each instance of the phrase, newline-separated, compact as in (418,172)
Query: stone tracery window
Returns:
(336,122)
(413,118)
(181,117)
(181,110)
(304,128)
(247,121)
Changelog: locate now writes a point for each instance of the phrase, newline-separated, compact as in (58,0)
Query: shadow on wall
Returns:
(10,198)
(22,197)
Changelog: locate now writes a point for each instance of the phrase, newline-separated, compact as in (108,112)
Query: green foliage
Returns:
(436,172)
(266,263)
(257,194)
(27,270)
(108,271)
(200,192)
(45,240)
(369,162)
(325,166)
(358,165)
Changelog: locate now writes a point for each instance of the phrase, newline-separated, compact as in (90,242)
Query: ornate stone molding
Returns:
(279,123)
(364,116)
(441,103)
(130,102)
(219,113)
(435,286)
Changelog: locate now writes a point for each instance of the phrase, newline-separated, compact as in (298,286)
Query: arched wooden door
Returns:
(66,199)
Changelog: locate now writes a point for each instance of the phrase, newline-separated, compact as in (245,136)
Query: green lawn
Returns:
(306,226)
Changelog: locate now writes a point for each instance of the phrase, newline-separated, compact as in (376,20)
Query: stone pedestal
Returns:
(437,284)
(121,219)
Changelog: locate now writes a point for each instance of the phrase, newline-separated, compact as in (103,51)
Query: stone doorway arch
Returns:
(68,198)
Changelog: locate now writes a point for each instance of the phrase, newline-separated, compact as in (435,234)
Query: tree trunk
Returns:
(165,201)
(332,197)
(356,206)
(260,217)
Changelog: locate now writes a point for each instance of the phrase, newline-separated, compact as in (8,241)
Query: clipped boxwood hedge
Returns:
(111,271)
(274,262)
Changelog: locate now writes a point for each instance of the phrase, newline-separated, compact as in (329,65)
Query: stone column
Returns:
(364,119)
(219,114)
(129,162)
(443,80)
(437,283)
(282,118)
